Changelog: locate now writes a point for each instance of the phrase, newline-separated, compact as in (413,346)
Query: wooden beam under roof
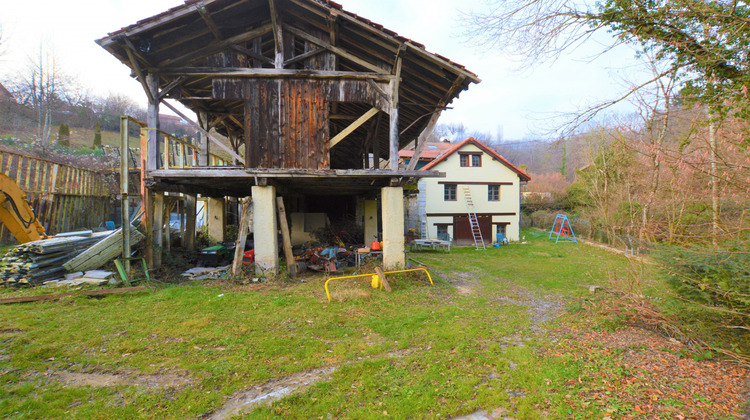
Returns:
(353,126)
(273,73)
(304,56)
(218,46)
(173,84)
(336,50)
(140,75)
(153,23)
(206,16)
(204,131)
(252,54)
(278,34)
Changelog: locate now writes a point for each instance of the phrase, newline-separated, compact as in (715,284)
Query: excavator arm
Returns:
(16,213)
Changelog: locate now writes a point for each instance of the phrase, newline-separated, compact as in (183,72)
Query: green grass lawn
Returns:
(498,330)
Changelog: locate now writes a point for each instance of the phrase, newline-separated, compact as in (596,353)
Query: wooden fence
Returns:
(65,198)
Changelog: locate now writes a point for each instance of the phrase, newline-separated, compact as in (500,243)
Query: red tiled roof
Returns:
(485,149)
(428,152)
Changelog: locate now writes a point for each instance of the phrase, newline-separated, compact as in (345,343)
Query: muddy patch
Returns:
(540,310)
(97,379)
(498,413)
(246,400)
(464,282)
(270,391)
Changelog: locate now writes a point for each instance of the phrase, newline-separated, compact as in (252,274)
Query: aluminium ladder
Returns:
(473,221)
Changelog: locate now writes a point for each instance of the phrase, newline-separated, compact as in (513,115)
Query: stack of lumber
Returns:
(35,262)
(103,252)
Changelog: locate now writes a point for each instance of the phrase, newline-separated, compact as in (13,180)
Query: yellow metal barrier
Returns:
(328,294)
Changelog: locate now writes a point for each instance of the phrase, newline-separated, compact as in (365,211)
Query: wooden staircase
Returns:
(473,221)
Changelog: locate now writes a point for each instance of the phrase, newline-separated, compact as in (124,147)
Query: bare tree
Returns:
(3,40)
(703,43)
(43,86)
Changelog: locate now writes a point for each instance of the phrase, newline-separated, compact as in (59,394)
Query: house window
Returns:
(449,192)
(493,193)
(473,160)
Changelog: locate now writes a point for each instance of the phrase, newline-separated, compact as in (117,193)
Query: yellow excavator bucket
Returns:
(16,213)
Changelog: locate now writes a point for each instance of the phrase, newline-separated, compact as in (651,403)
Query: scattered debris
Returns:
(202,273)
(95,277)
(56,296)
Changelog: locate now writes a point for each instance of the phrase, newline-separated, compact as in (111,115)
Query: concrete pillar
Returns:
(371,221)
(216,219)
(393,227)
(265,230)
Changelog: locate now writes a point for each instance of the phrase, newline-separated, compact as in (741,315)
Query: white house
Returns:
(476,172)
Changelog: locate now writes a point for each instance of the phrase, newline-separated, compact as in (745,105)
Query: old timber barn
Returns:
(315,103)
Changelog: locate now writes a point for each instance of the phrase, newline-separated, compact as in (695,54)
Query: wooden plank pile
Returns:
(102,252)
(36,262)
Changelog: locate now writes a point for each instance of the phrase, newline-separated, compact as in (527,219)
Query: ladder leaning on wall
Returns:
(473,221)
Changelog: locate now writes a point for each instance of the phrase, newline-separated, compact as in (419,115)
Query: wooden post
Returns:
(376,146)
(158,227)
(169,204)
(152,162)
(148,205)
(188,239)
(278,35)
(203,120)
(395,85)
(124,190)
(165,153)
(284,223)
(421,140)
(239,248)
(182,154)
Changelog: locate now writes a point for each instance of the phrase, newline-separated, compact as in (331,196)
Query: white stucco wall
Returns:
(491,171)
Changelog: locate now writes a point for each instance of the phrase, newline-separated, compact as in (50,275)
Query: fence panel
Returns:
(65,198)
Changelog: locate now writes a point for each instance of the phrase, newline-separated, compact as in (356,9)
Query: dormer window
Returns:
(470,159)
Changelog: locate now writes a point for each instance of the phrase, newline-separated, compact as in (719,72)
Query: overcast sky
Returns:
(516,103)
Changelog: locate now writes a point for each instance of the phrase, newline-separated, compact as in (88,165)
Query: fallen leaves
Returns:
(646,375)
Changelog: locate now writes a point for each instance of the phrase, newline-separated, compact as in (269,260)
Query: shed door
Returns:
(462,229)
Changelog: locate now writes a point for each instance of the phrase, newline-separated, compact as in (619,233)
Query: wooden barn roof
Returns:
(186,36)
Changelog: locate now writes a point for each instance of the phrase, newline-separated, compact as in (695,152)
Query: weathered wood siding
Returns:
(64,197)
(286,122)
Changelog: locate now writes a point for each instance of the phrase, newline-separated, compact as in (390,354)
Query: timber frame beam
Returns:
(218,46)
(353,126)
(210,22)
(211,137)
(336,50)
(278,35)
(273,73)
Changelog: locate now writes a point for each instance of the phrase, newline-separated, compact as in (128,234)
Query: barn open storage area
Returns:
(304,98)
